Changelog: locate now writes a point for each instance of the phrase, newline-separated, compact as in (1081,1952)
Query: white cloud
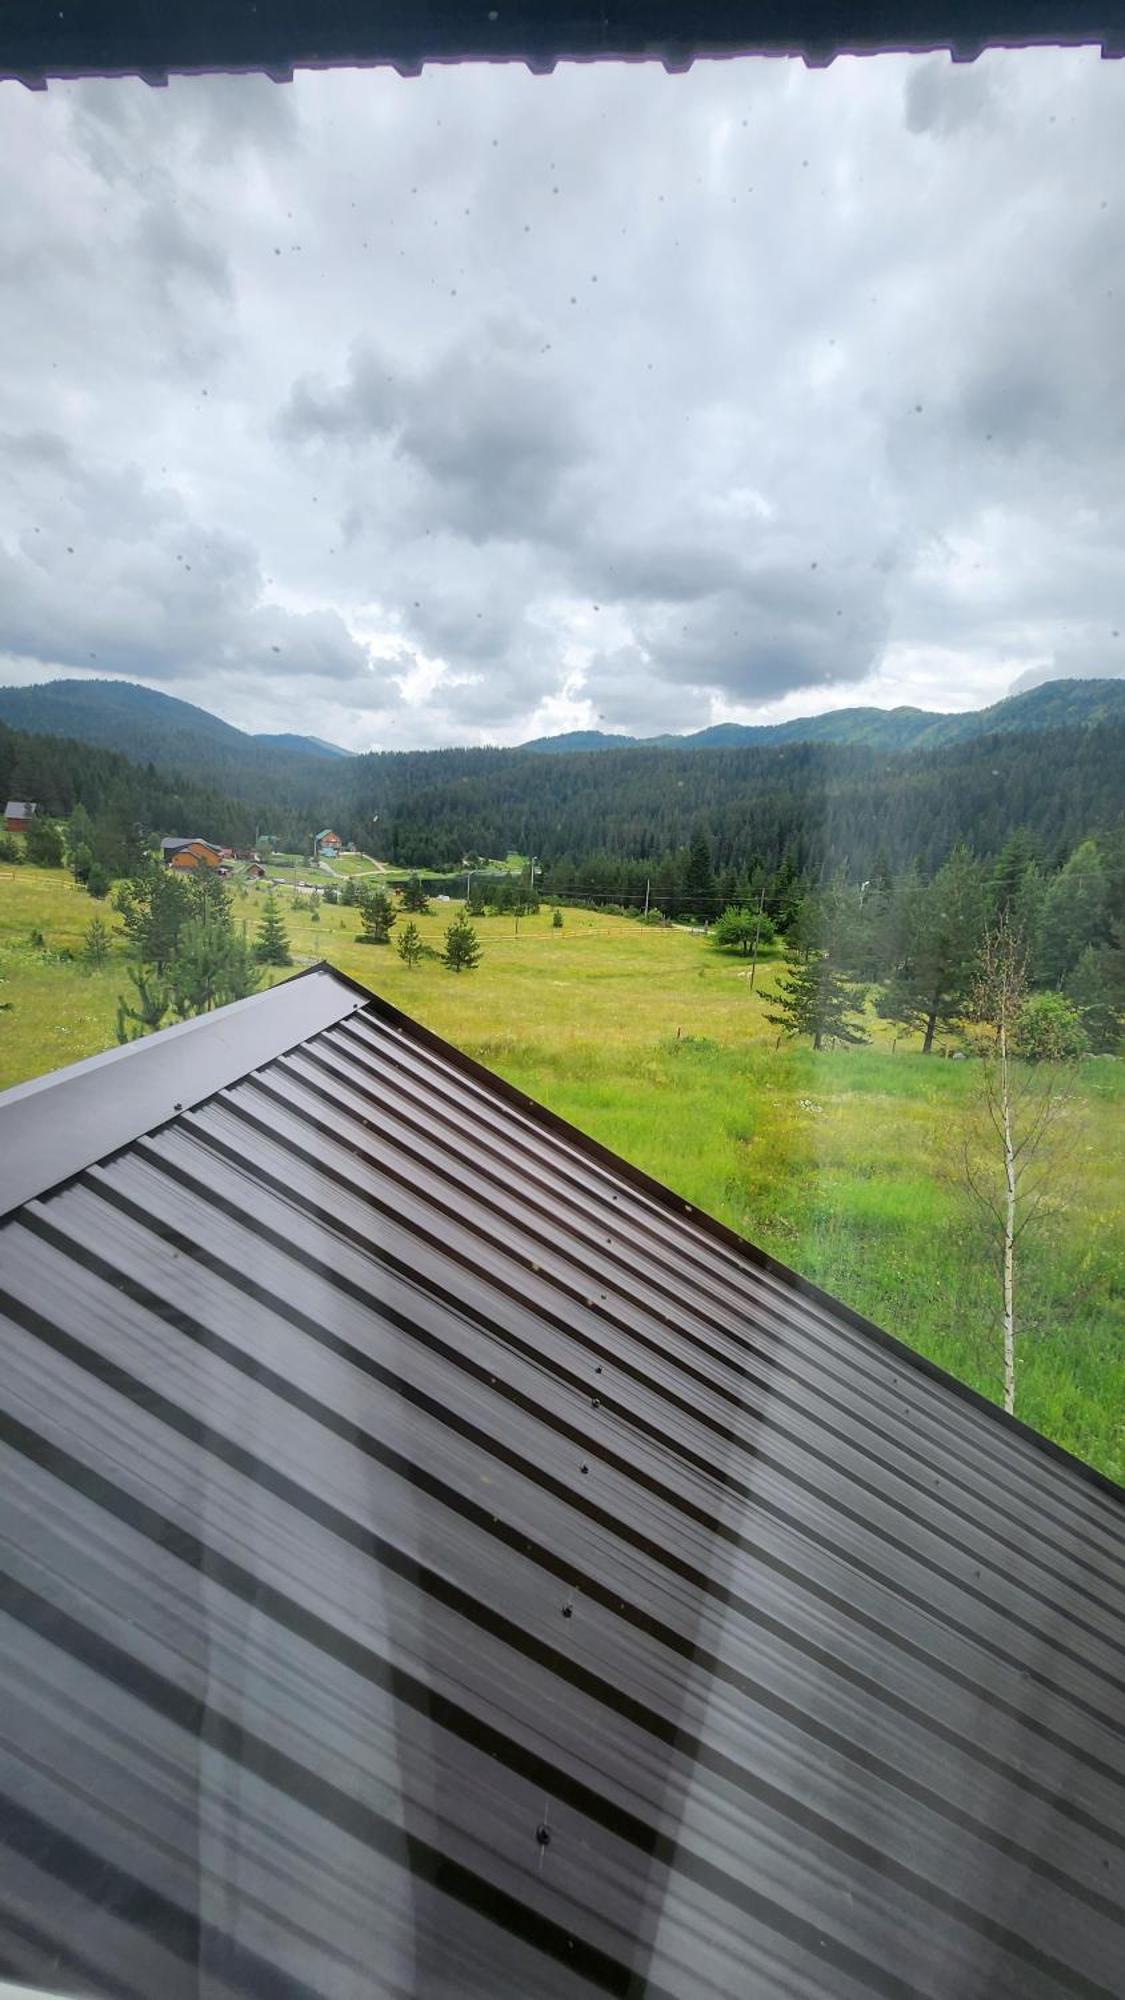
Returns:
(459,407)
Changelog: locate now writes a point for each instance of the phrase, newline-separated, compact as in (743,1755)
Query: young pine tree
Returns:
(414,897)
(556,920)
(155,906)
(214,965)
(462,948)
(147,1011)
(818,1001)
(377,914)
(271,946)
(95,945)
(410,947)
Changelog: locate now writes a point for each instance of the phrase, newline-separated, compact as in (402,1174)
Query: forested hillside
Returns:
(153,728)
(817,807)
(127,802)
(812,808)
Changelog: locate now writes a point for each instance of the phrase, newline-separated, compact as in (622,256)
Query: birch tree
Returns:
(1011,1162)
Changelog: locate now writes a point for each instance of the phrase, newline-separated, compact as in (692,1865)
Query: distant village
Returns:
(194,854)
(191,854)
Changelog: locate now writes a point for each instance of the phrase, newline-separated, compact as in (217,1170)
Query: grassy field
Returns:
(842,1164)
(356,864)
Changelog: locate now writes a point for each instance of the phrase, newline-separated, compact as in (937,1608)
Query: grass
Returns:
(357,864)
(842,1164)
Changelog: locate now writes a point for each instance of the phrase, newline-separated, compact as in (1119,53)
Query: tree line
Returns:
(915,942)
(627,815)
(630,815)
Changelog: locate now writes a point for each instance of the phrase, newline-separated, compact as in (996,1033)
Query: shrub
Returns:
(1050,1029)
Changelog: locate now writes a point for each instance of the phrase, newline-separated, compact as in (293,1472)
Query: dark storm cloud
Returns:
(491,436)
(774,631)
(439,408)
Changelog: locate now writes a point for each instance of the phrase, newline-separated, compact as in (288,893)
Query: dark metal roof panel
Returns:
(64,1121)
(437,1562)
(39,40)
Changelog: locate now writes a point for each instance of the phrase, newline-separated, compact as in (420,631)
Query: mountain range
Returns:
(1053,705)
(856,786)
(150,727)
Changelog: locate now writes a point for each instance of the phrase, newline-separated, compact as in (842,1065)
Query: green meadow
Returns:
(844,1164)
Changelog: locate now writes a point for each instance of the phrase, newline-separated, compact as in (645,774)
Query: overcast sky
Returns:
(478,405)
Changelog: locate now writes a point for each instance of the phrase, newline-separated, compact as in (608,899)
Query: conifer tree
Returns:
(700,894)
(44,842)
(213,966)
(462,948)
(1074,914)
(148,1009)
(155,907)
(271,946)
(939,925)
(95,945)
(414,897)
(377,914)
(410,947)
(818,1001)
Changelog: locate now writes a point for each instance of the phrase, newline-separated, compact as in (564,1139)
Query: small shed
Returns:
(18,814)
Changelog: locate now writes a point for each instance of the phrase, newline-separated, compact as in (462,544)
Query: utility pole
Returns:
(648,886)
(757,935)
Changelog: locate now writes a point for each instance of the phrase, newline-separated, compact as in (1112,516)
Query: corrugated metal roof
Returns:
(39,39)
(437,1562)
